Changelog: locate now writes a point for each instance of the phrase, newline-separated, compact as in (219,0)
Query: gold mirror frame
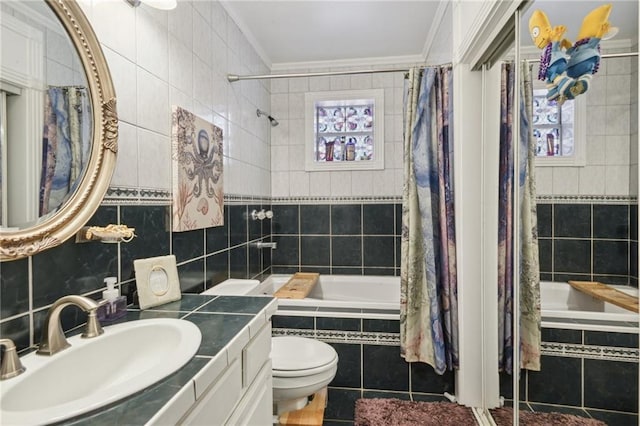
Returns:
(74,214)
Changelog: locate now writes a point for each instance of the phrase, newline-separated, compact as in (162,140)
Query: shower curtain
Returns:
(428,300)
(528,249)
(66,144)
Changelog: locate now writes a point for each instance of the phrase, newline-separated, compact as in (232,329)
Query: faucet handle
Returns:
(93,328)
(11,365)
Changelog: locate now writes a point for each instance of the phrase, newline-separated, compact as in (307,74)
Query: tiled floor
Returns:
(341,405)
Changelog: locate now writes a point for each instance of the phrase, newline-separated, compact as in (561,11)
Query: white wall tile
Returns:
(544,180)
(181,23)
(202,38)
(280,105)
(126,172)
(383,182)
(566,181)
(219,19)
(202,84)
(123,74)
(298,85)
(319,84)
(596,150)
(296,157)
(596,120)
(617,180)
(153,103)
(340,82)
(154,160)
(181,99)
(362,182)
(180,66)
(296,105)
(617,117)
(279,158)
(280,184)
(617,150)
(592,180)
(340,183)
(361,82)
(116,14)
(152,45)
(296,132)
(319,184)
(299,184)
(280,133)
(618,90)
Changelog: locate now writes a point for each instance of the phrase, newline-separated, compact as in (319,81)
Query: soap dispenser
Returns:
(112,306)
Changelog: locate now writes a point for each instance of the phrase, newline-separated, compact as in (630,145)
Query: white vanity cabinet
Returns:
(235,386)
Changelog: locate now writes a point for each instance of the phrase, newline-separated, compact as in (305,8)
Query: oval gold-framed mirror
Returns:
(81,203)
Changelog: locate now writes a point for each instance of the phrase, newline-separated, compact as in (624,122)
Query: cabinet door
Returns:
(256,407)
(215,405)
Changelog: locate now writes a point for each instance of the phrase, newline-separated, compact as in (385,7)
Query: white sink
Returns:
(95,372)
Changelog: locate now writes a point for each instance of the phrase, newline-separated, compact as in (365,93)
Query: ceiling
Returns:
(312,33)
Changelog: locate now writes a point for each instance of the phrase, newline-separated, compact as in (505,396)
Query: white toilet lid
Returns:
(298,353)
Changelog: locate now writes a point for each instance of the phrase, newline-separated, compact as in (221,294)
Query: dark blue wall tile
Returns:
(285,219)
(217,268)
(379,251)
(545,254)
(558,382)
(284,269)
(633,222)
(575,277)
(14,287)
(381,325)
(561,335)
(602,338)
(319,269)
(342,404)
(572,220)
(346,219)
(378,219)
(611,221)
(611,385)
(285,321)
(314,219)
(424,379)
(188,244)
(72,268)
(611,257)
(288,251)
(612,279)
(614,419)
(255,226)
(192,277)
(217,237)
(238,263)
(347,324)
(238,225)
(398,219)
(345,270)
(389,272)
(17,330)
(572,256)
(349,365)
(545,220)
(346,251)
(153,235)
(315,250)
(384,368)
(255,260)
(633,259)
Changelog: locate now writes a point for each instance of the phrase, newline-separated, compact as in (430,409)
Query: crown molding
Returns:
(348,63)
(436,26)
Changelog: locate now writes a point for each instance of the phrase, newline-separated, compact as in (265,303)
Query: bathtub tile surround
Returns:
(348,236)
(588,239)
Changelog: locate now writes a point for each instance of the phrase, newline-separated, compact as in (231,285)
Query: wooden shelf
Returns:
(298,286)
(607,293)
(311,415)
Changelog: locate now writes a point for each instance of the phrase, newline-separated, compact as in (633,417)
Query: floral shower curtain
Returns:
(428,300)
(529,263)
(66,146)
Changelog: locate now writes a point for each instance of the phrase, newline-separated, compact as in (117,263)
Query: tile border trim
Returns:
(587,199)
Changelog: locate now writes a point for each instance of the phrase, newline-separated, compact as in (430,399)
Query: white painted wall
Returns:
(158,59)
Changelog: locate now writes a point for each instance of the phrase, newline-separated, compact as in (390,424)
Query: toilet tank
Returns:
(232,287)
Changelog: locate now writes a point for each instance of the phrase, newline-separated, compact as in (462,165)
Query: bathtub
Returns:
(379,297)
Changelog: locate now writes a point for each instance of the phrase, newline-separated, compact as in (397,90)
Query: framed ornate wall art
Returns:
(197,172)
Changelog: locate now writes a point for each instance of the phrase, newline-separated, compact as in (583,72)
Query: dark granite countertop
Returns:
(221,320)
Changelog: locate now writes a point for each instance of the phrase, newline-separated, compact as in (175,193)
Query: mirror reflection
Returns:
(45,115)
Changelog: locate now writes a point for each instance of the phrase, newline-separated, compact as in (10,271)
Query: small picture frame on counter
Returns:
(157,281)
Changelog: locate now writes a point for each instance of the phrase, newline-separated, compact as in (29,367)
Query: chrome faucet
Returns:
(11,365)
(263,245)
(53,340)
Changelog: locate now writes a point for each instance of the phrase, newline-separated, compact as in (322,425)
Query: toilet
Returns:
(300,366)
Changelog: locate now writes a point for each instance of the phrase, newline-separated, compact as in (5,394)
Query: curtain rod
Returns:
(608,55)
(234,77)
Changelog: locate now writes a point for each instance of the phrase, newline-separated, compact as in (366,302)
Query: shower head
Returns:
(272,120)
